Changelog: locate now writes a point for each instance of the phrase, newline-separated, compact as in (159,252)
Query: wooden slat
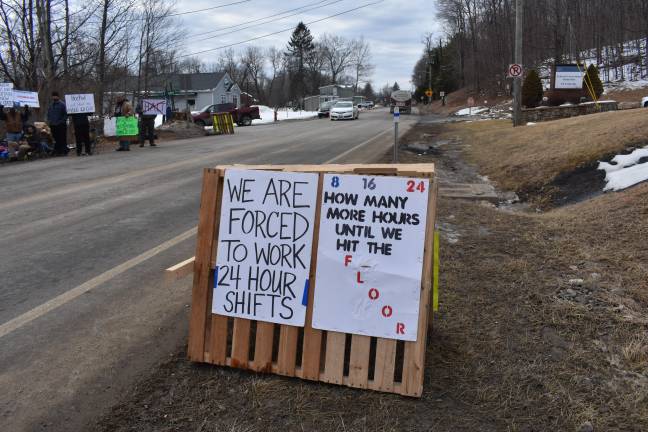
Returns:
(311,353)
(385,364)
(207,222)
(240,343)
(359,361)
(179,271)
(414,356)
(287,350)
(334,360)
(263,347)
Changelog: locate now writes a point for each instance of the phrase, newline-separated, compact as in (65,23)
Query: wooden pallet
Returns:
(223,124)
(353,360)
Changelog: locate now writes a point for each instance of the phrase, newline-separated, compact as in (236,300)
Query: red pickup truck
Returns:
(241,116)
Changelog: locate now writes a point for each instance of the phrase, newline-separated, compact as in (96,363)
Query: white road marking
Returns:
(352,149)
(67,296)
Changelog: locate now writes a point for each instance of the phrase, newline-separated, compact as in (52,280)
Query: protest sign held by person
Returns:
(147,123)
(123,108)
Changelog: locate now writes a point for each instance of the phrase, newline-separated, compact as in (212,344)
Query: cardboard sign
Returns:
(264,246)
(26,98)
(126,126)
(6,94)
(110,126)
(80,103)
(154,107)
(370,255)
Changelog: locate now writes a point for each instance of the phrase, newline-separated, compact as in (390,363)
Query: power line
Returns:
(269,21)
(280,31)
(209,8)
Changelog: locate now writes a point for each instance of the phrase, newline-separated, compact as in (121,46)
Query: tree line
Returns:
(46,46)
(479,40)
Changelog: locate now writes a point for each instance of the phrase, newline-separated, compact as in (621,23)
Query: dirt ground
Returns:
(542,327)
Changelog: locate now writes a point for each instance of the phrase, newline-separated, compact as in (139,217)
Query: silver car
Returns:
(344,110)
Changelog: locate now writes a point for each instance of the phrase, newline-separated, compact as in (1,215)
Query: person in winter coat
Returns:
(14,121)
(147,127)
(57,120)
(81,133)
(123,108)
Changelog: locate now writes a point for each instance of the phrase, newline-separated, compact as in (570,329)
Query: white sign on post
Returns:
(26,98)
(6,94)
(568,77)
(80,103)
(264,246)
(396,114)
(370,255)
(154,106)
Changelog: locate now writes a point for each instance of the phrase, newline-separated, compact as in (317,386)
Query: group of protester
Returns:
(23,138)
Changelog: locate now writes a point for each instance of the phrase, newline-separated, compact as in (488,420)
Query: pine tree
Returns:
(592,80)
(368,91)
(532,90)
(300,47)
(395,86)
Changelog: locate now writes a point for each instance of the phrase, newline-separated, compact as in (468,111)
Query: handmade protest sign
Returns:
(154,107)
(26,98)
(370,255)
(264,246)
(6,94)
(126,126)
(80,103)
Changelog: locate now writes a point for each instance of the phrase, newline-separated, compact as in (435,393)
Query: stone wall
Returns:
(541,114)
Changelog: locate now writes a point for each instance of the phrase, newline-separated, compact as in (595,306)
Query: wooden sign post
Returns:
(389,355)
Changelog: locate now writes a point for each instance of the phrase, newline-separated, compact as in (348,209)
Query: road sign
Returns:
(515,71)
(428,93)
(442,94)
(471,101)
(396,114)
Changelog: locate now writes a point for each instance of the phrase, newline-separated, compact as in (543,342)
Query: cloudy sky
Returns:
(393,28)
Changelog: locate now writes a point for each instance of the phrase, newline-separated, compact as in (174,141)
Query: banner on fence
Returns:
(80,103)
(264,246)
(6,94)
(110,126)
(370,255)
(26,98)
(126,126)
(154,106)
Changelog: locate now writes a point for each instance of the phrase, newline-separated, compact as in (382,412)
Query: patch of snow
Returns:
(625,170)
(267,115)
(471,111)
(531,124)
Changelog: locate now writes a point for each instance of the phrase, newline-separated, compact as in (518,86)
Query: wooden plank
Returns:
(385,364)
(414,356)
(311,353)
(334,360)
(207,222)
(286,361)
(263,347)
(359,361)
(179,271)
(240,343)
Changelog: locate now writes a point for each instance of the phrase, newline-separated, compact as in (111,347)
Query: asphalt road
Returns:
(83,246)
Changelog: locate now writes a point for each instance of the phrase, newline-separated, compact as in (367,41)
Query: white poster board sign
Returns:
(154,107)
(370,255)
(6,94)
(110,126)
(80,103)
(26,98)
(264,246)
(568,77)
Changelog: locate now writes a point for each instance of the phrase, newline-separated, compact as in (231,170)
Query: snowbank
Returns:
(471,111)
(624,171)
(267,115)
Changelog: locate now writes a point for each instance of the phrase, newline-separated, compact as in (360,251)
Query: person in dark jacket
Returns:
(14,121)
(147,126)
(81,133)
(57,120)
(123,108)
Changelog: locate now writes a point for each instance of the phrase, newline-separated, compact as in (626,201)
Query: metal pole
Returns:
(517,82)
(429,77)
(395,142)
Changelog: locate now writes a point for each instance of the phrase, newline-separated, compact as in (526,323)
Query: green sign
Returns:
(127,126)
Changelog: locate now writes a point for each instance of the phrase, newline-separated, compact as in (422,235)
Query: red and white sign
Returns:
(515,71)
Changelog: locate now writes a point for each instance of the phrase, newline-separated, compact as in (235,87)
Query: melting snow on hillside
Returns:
(625,170)
(471,111)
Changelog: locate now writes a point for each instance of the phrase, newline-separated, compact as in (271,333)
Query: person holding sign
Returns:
(57,120)
(123,109)
(81,133)
(14,122)
(147,126)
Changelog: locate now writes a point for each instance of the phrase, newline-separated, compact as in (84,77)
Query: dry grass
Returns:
(526,159)
(626,95)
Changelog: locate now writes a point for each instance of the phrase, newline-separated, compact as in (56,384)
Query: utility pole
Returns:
(517,82)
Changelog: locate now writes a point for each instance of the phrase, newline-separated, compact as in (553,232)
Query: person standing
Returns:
(14,121)
(123,109)
(147,126)
(57,120)
(81,133)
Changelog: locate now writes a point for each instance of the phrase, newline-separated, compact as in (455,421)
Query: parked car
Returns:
(325,109)
(644,102)
(344,110)
(242,116)
(366,104)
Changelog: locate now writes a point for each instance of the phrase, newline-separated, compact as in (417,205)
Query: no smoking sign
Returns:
(515,71)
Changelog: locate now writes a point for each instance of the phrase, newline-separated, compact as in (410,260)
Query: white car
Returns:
(344,110)
(644,102)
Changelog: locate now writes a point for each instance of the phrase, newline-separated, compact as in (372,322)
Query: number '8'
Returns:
(335,181)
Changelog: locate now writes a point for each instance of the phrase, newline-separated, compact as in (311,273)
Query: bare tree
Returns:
(360,62)
(337,52)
